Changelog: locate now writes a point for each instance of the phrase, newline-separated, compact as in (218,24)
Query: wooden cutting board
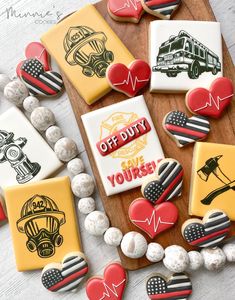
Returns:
(135,37)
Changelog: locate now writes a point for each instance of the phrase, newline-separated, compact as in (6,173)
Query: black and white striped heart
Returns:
(208,232)
(177,286)
(66,276)
(167,183)
(38,81)
(185,130)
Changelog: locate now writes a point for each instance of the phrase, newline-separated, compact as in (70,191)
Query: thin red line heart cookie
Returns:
(129,80)
(166,184)
(211,102)
(163,9)
(209,232)
(153,219)
(110,287)
(125,10)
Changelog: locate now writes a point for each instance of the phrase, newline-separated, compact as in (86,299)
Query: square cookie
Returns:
(24,155)
(84,45)
(124,144)
(182,56)
(213,179)
(42,222)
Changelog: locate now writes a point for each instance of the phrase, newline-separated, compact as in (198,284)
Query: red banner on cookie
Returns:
(123,136)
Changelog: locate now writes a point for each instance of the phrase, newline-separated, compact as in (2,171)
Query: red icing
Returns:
(209,236)
(126,8)
(110,287)
(153,219)
(129,80)
(171,294)
(195,133)
(159,2)
(211,102)
(2,214)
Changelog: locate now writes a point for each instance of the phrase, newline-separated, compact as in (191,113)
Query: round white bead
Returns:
(96,223)
(195,260)
(75,166)
(176,259)
(53,134)
(229,251)
(30,103)
(83,185)
(4,80)
(113,236)
(134,245)
(155,252)
(66,149)
(42,118)
(86,205)
(15,92)
(214,258)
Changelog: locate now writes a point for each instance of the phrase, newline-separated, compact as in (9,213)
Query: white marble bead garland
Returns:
(75,166)
(42,118)
(4,80)
(53,134)
(66,149)
(113,236)
(83,185)
(86,205)
(176,259)
(134,245)
(30,103)
(15,92)
(214,258)
(155,252)
(229,251)
(96,223)
(195,260)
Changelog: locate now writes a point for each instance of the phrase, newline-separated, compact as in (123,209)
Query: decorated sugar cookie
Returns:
(125,10)
(177,286)
(184,130)
(209,232)
(109,287)
(212,102)
(3,214)
(67,275)
(153,219)
(129,80)
(166,184)
(163,9)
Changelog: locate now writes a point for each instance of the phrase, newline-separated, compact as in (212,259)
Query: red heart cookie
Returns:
(110,287)
(129,80)
(153,219)
(125,10)
(211,102)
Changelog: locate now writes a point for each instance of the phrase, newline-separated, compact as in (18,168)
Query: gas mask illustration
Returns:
(11,152)
(40,221)
(86,48)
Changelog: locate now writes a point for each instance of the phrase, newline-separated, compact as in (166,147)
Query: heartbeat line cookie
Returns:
(129,80)
(177,286)
(163,9)
(166,184)
(211,102)
(208,232)
(110,287)
(125,10)
(66,276)
(153,219)
(184,130)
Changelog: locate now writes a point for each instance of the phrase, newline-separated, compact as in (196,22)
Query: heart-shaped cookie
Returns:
(65,276)
(211,102)
(208,232)
(125,10)
(129,80)
(177,286)
(184,130)
(153,219)
(38,81)
(166,184)
(110,287)
(163,9)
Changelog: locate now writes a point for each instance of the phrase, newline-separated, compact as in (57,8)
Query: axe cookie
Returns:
(162,9)
(177,286)
(166,184)
(67,275)
(208,232)
(184,130)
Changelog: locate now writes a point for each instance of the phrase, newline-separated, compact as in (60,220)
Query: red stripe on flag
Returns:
(171,294)
(209,236)
(185,130)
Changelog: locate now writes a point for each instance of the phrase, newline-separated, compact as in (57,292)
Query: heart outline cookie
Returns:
(153,219)
(67,275)
(212,102)
(208,232)
(162,9)
(165,184)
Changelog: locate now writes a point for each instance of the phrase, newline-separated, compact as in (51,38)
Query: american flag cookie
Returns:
(162,9)
(208,232)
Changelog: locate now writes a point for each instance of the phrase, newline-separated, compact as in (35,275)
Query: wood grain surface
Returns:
(135,37)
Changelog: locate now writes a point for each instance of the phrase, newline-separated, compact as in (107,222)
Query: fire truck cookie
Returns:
(42,222)
(124,144)
(24,154)
(182,56)
(84,46)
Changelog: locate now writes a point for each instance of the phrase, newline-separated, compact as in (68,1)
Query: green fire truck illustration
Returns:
(183,53)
